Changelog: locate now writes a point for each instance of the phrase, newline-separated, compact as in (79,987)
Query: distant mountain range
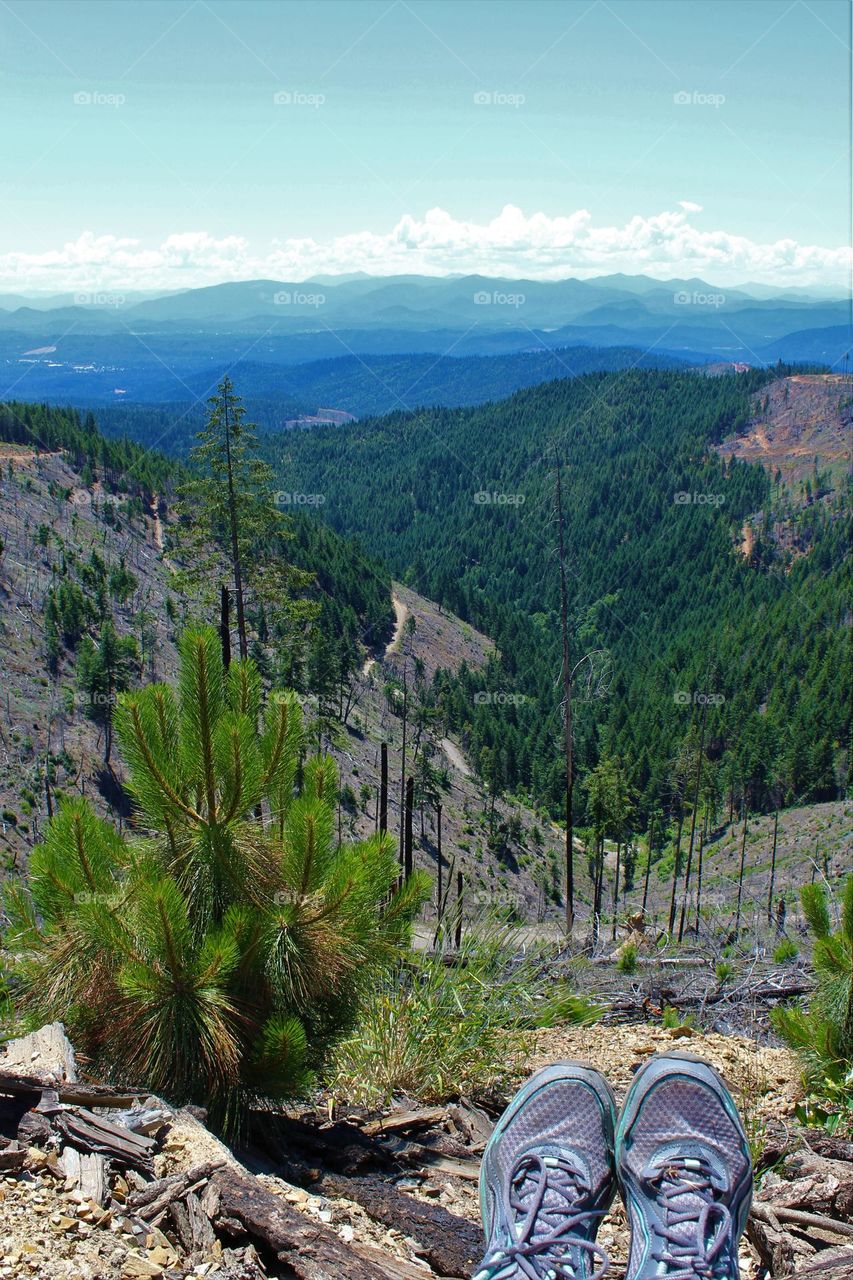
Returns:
(104,348)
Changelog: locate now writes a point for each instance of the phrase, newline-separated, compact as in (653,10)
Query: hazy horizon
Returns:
(166,146)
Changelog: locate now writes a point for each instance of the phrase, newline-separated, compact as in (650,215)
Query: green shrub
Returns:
(627,962)
(219,958)
(724,971)
(672,1019)
(823,1032)
(786,950)
(433,1030)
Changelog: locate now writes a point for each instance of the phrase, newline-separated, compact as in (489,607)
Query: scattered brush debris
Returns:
(99,1182)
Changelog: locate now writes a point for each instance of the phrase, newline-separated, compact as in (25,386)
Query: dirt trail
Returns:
(158,535)
(401,616)
(455,757)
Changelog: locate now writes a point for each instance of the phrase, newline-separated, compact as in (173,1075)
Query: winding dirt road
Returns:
(401,615)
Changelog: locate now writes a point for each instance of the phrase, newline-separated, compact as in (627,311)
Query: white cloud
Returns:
(512,244)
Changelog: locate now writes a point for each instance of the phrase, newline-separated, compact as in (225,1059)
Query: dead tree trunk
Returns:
(742,865)
(648,865)
(408,863)
(772,869)
(616,887)
(567,711)
(699,756)
(224,626)
(676,870)
(383,788)
(440,859)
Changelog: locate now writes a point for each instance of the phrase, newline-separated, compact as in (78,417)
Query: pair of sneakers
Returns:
(677,1152)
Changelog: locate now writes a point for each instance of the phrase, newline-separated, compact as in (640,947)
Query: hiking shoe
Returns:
(684,1170)
(547,1178)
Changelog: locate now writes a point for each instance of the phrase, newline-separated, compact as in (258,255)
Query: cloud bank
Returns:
(513,244)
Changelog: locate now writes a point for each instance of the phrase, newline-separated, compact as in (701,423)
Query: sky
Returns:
(176,143)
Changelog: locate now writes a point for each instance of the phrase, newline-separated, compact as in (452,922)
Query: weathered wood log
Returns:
(837,1263)
(34,1129)
(147,1120)
(87,1174)
(394,1268)
(307,1247)
(472,1123)
(46,1053)
(801,1219)
(152,1200)
(813,1184)
(339,1147)
(777,1251)
(203,1235)
(180,1219)
(832,1148)
(417,1156)
(192,1226)
(88,1132)
(405,1121)
(84,1095)
(450,1244)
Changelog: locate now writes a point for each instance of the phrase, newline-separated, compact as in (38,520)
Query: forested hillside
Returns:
(696,629)
(95,582)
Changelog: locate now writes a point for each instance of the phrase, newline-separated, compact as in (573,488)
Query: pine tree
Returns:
(218,958)
(230,519)
(824,1033)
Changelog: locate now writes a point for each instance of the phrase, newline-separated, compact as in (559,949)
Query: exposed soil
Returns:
(808,417)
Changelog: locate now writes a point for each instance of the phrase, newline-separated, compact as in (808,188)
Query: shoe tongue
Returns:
(562,1190)
(692,1162)
(677,1173)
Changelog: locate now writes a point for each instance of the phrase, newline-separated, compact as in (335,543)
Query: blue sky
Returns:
(178,142)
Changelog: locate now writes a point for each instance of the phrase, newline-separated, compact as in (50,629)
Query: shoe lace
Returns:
(528,1204)
(695,1225)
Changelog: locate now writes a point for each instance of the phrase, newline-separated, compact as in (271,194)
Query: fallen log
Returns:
(341,1147)
(87,1174)
(83,1095)
(450,1244)
(307,1247)
(418,1156)
(405,1121)
(837,1263)
(87,1132)
(150,1201)
(797,1217)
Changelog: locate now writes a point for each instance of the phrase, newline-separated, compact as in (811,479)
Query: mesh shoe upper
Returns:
(547,1179)
(684,1166)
